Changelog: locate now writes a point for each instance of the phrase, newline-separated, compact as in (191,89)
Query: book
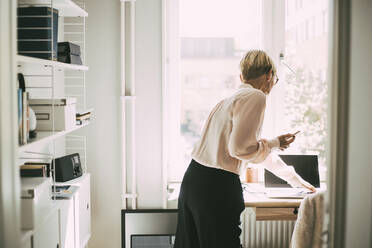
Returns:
(20,116)
(24,118)
(81,122)
(21,90)
(34,170)
(83,114)
(66,191)
(83,117)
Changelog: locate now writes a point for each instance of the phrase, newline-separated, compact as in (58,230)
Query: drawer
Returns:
(276,214)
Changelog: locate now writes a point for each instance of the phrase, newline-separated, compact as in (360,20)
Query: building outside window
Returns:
(306,97)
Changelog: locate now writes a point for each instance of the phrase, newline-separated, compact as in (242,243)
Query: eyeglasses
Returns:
(276,79)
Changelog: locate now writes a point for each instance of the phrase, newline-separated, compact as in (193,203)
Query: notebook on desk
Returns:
(305,165)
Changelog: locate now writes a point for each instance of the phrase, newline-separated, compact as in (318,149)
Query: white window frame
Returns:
(171,79)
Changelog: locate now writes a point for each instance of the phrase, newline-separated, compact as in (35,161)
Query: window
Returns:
(212,41)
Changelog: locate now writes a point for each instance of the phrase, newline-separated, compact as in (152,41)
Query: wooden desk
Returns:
(266,208)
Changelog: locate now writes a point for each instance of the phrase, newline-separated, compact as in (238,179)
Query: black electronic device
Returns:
(68,48)
(69,53)
(68,167)
(305,165)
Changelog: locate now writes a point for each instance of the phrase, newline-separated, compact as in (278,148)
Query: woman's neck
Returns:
(255,83)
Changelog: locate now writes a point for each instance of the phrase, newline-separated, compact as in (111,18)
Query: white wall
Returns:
(103,89)
(9,173)
(359,183)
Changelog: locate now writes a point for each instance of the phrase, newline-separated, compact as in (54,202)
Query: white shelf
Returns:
(74,182)
(47,136)
(31,60)
(67,8)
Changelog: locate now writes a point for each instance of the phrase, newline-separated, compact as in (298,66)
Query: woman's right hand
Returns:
(308,186)
(298,182)
(285,140)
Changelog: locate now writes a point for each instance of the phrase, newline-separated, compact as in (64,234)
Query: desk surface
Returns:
(260,200)
(254,196)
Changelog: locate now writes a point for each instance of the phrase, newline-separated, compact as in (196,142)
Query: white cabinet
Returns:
(83,207)
(67,223)
(47,236)
(75,214)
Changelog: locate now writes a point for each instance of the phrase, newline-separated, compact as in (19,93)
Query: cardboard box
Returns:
(64,113)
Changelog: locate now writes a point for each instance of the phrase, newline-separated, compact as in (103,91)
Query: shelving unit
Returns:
(58,80)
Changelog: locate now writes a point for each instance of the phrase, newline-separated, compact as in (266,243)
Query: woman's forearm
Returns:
(256,153)
(276,165)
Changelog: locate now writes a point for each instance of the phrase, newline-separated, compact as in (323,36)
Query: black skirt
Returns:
(210,204)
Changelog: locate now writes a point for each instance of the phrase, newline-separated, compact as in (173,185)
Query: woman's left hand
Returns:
(285,140)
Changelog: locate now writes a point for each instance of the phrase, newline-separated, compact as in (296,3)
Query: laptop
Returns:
(305,165)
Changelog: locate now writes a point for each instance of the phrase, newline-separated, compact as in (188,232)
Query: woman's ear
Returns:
(241,78)
(269,75)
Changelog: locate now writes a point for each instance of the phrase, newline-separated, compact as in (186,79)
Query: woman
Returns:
(211,199)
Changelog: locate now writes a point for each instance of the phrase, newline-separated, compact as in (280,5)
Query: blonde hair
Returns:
(256,63)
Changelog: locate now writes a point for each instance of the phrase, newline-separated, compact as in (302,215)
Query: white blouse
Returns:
(231,136)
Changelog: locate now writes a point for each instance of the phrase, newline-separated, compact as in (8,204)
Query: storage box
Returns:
(36,201)
(64,113)
(36,28)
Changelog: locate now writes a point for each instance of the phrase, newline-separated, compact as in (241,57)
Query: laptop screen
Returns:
(305,165)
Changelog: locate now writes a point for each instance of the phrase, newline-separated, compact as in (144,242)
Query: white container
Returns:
(64,113)
(36,201)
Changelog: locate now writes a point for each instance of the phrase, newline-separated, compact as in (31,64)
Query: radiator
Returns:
(265,234)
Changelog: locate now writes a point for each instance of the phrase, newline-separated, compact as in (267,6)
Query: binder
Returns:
(38,32)
(34,34)
(33,170)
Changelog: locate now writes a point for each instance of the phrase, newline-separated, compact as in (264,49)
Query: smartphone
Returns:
(296,133)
